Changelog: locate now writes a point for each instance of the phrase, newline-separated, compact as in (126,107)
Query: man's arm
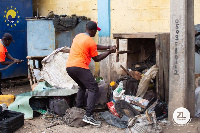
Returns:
(6,62)
(101,56)
(101,47)
(8,56)
(104,55)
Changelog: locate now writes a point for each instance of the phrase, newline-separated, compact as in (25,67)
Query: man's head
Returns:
(91,28)
(7,38)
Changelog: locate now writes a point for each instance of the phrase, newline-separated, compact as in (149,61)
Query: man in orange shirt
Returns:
(82,50)
(4,42)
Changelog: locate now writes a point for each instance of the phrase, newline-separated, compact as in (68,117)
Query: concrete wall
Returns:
(79,7)
(140,16)
(116,16)
(126,15)
(196,12)
(86,8)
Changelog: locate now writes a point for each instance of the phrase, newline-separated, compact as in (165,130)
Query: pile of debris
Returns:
(129,102)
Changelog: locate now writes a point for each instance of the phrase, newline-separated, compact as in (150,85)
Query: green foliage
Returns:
(98,79)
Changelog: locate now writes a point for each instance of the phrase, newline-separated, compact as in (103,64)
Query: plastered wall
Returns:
(140,16)
(127,16)
(196,12)
(86,8)
(79,7)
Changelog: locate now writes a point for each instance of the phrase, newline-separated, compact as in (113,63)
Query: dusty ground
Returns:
(40,125)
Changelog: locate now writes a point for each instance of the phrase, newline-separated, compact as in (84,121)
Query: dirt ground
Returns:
(41,125)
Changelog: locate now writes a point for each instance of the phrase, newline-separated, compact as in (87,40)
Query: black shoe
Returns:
(91,120)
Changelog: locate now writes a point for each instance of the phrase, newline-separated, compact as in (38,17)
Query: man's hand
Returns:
(65,50)
(17,61)
(112,49)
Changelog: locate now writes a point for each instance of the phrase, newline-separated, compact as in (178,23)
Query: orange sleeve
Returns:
(2,56)
(3,51)
(93,49)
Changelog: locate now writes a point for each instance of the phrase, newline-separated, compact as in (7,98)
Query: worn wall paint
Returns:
(140,16)
(126,16)
(86,8)
(47,39)
(79,7)
(196,12)
(104,17)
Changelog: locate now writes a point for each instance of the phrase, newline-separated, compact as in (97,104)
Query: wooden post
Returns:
(30,71)
(191,58)
(117,54)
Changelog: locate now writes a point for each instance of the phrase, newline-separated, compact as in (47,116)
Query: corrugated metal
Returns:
(66,38)
(13,14)
(42,38)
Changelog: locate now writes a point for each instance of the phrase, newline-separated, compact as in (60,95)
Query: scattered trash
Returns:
(10,121)
(114,120)
(58,106)
(144,82)
(124,108)
(7,99)
(144,123)
(118,93)
(73,117)
(111,107)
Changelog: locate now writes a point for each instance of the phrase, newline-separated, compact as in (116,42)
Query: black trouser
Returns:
(0,83)
(85,80)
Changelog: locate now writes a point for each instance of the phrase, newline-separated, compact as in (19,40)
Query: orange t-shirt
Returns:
(3,51)
(82,50)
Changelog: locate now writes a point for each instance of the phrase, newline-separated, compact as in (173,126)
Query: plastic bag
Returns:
(111,107)
(159,107)
(118,93)
(144,123)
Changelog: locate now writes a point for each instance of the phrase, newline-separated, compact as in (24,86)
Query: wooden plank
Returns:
(161,65)
(166,48)
(137,104)
(162,61)
(157,64)
(40,64)
(34,66)
(136,35)
(128,51)
(30,71)
(127,71)
(117,45)
(35,57)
